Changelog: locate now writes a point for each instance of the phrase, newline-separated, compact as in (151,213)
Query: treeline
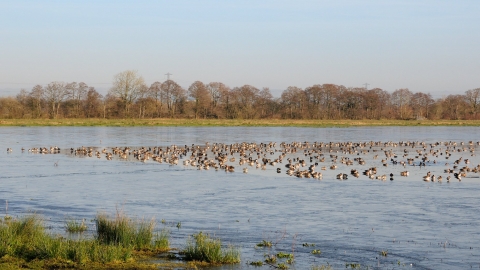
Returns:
(130,97)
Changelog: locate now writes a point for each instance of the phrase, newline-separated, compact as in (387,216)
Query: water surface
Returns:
(421,225)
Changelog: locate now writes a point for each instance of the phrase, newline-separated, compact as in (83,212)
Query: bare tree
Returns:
(198,91)
(55,93)
(142,100)
(76,93)
(473,99)
(421,104)
(155,92)
(36,96)
(93,103)
(23,98)
(10,107)
(264,102)
(313,95)
(126,87)
(294,100)
(401,101)
(454,107)
(246,97)
(174,95)
(219,96)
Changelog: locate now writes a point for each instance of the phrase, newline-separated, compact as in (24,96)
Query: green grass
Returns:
(284,255)
(26,239)
(264,243)
(124,231)
(256,263)
(118,243)
(229,122)
(202,247)
(161,240)
(74,226)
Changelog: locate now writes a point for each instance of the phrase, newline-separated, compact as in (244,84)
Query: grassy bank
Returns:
(232,123)
(118,243)
(25,241)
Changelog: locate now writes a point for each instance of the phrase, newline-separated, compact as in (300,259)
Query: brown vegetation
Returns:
(129,97)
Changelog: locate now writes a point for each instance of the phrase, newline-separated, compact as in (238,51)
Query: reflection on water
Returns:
(422,225)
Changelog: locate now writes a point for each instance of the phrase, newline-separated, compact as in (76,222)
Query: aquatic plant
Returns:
(264,243)
(384,253)
(271,259)
(321,267)
(124,231)
(74,226)
(282,266)
(284,255)
(257,263)
(353,265)
(316,251)
(202,247)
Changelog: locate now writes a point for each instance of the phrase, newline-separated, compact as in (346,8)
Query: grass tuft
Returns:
(201,247)
(264,243)
(256,263)
(24,240)
(124,231)
(74,226)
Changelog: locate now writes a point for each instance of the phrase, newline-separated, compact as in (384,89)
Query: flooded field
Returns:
(354,222)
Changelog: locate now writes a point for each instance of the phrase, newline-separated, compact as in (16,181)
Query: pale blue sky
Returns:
(432,46)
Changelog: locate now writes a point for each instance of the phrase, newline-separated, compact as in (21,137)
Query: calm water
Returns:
(421,225)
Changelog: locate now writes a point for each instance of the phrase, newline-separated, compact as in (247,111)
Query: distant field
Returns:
(230,123)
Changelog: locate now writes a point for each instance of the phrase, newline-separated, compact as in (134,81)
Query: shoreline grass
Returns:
(123,231)
(75,226)
(24,242)
(118,243)
(230,123)
(202,247)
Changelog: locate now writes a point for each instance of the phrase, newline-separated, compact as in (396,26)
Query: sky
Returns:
(429,46)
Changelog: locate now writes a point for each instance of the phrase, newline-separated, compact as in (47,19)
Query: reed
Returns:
(161,240)
(202,247)
(123,231)
(26,239)
(74,226)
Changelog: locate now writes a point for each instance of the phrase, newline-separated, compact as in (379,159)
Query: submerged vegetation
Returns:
(264,243)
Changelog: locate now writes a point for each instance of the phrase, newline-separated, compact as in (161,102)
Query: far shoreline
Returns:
(184,122)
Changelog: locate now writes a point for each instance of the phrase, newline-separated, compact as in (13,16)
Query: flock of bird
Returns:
(303,159)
